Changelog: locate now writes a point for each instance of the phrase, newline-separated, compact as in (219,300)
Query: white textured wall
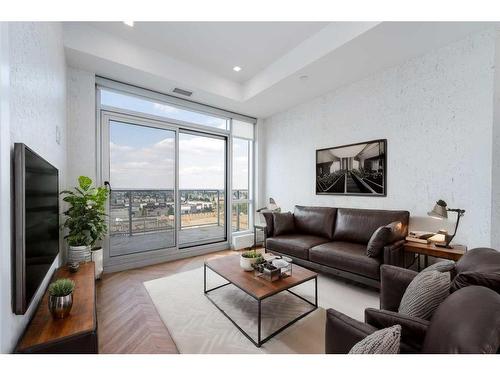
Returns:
(37,95)
(81,125)
(436,112)
(495,175)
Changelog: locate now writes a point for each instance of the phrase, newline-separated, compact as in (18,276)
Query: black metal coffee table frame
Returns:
(260,341)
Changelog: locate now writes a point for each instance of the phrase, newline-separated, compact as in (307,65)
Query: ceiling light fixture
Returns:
(129,23)
(237,68)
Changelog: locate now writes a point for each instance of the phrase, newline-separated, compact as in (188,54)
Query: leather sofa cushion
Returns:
(296,245)
(358,225)
(316,221)
(479,266)
(346,256)
(468,321)
(283,223)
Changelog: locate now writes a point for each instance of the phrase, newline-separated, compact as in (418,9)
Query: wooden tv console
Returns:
(75,334)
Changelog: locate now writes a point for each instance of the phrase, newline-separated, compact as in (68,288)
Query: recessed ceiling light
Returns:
(237,68)
(129,23)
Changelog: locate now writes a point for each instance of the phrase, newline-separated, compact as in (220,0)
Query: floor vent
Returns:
(182,92)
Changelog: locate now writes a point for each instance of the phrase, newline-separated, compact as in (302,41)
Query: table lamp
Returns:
(440,211)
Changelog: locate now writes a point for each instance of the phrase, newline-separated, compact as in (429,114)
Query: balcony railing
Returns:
(147,211)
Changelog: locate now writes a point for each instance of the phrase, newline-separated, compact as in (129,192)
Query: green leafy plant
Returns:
(251,254)
(61,287)
(86,216)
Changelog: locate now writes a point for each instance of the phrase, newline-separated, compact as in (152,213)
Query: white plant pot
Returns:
(97,258)
(246,263)
(79,254)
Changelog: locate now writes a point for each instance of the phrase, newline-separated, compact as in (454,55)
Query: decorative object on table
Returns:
(355,169)
(440,211)
(274,268)
(73,267)
(419,236)
(285,266)
(61,298)
(85,218)
(248,259)
(267,271)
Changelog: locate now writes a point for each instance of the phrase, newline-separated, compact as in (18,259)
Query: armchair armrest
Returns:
(394,253)
(413,330)
(393,284)
(342,332)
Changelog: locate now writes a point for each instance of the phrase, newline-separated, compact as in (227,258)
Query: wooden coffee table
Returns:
(228,267)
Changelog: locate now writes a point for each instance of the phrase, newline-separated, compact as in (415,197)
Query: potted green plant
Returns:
(248,259)
(61,298)
(85,218)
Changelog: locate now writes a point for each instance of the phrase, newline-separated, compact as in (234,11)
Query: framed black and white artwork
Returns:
(356,169)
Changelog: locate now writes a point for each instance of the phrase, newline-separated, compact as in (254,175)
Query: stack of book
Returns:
(420,237)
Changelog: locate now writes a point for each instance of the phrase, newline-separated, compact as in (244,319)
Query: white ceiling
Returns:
(218,46)
(199,56)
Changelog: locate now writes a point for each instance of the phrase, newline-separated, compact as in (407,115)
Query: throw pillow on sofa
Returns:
(383,236)
(397,232)
(283,223)
(424,294)
(441,266)
(378,240)
(384,341)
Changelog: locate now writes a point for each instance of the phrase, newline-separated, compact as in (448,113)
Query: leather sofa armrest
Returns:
(394,253)
(343,332)
(393,284)
(413,330)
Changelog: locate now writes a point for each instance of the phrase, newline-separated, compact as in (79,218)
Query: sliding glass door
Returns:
(168,186)
(142,176)
(202,188)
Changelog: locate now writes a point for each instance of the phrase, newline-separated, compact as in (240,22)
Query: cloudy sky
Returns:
(144,158)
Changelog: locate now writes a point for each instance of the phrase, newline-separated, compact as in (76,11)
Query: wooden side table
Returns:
(432,250)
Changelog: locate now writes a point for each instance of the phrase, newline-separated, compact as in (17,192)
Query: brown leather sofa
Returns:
(334,240)
(468,321)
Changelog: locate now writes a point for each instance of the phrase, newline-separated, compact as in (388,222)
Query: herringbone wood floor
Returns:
(127,319)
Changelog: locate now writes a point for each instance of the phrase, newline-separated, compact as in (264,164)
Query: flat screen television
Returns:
(36,207)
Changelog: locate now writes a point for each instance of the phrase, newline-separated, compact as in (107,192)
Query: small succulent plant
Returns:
(251,254)
(61,287)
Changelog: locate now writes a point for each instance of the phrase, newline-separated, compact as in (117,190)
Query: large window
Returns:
(242,206)
(160,109)
(167,162)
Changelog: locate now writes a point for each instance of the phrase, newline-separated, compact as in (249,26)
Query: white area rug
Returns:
(197,326)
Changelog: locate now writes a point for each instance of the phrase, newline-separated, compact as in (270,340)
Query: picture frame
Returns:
(357,169)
